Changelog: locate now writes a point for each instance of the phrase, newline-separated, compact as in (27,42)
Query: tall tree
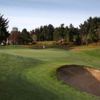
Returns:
(56,35)
(45,33)
(90,30)
(61,31)
(3,28)
(66,31)
(25,37)
(50,32)
(37,32)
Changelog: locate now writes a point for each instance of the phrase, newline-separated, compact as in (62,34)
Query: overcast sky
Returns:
(34,13)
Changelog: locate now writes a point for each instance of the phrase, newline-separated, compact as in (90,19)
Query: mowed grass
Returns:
(30,74)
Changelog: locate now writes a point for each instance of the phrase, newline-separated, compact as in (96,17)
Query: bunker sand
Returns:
(81,77)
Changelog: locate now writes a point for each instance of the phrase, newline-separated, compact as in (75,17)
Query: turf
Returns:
(30,74)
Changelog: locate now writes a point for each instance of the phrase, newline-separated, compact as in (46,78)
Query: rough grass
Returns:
(28,74)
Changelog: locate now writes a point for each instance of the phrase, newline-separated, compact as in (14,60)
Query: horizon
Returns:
(31,14)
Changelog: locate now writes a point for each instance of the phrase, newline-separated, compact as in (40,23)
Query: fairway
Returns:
(30,74)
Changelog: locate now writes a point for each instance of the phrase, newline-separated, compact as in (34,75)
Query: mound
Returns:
(81,77)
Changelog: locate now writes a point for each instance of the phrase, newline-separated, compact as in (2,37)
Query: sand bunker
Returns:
(81,77)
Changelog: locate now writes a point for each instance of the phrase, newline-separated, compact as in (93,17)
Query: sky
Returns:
(32,14)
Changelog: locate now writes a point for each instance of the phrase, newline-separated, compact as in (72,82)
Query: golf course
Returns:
(30,74)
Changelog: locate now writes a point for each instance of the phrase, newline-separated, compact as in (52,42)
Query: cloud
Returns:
(31,22)
(71,5)
(33,13)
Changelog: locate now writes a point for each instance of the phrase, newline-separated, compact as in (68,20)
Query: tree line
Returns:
(87,32)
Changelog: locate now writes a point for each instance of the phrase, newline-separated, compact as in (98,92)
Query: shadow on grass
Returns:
(14,85)
(23,90)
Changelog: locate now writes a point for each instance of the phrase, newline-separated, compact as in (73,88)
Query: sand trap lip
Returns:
(81,77)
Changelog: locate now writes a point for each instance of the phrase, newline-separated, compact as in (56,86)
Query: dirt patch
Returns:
(81,77)
(84,48)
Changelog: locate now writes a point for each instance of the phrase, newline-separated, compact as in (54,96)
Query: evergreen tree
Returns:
(56,35)
(25,37)
(3,29)
(50,32)
(90,30)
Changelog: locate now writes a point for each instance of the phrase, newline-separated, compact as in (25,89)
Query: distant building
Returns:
(15,29)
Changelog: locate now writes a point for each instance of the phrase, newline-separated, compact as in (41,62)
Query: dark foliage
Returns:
(3,29)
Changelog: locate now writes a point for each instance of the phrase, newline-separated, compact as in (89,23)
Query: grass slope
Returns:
(28,74)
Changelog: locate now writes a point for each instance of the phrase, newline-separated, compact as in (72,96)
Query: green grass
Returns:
(30,74)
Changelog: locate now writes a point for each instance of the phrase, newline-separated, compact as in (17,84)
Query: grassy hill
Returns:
(30,74)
